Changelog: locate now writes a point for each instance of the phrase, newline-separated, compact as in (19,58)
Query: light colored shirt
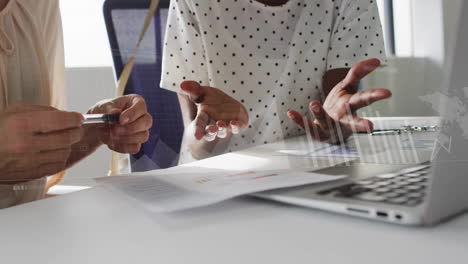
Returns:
(32,70)
(270,58)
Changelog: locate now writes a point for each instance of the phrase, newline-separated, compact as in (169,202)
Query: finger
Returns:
(47,121)
(122,102)
(334,129)
(25,107)
(32,160)
(135,109)
(138,138)
(320,114)
(52,168)
(211,132)
(105,106)
(54,140)
(222,129)
(297,118)
(359,71)
(236,127)
(142,124)
(53,156)
(240,124)
(194,90)
(315,130)
(201,121)
(323,120)
(38,172)
(357,124)
(368,97)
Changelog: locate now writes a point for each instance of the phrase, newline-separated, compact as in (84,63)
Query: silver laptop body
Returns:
(426,194)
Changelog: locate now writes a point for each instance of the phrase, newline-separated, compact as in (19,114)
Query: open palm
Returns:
(216,110)
(335,120)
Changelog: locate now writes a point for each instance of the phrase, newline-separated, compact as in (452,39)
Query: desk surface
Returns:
(98,226)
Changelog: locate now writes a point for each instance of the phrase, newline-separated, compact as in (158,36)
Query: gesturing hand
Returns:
(336,119)
(218,114)
(132,130)
(36,141)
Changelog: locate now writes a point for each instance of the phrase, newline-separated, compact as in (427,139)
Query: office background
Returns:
(422,30)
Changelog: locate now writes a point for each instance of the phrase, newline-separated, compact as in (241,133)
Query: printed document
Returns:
(176,192)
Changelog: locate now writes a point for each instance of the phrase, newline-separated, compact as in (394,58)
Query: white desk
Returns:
(96,226)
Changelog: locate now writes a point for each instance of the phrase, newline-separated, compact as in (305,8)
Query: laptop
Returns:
(420,195)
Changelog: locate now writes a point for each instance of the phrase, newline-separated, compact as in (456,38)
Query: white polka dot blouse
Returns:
(269,58)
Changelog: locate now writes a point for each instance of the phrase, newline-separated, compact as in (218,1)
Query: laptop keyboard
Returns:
(406,187)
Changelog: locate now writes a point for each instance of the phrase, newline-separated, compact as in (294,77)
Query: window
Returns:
(396,16)
(86,42)
(386,17)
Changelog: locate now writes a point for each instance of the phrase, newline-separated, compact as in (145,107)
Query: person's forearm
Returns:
(88,145)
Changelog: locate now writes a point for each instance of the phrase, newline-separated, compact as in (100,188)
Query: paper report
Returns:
(174,192)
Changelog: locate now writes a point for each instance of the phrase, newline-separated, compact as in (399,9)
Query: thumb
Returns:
(194,90)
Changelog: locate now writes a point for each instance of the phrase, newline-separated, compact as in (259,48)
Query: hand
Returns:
(336,119)
(132,130)
(36,141)
(218,114)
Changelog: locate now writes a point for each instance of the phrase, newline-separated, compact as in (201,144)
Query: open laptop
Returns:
(423,195)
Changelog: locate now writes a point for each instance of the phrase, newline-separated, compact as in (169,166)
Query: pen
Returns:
(387,132)
(101,118)
(404,129)
(382,132)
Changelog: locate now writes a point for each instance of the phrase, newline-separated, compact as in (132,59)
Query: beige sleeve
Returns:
(47,13)
(16,194)
(56,56)
(53,31)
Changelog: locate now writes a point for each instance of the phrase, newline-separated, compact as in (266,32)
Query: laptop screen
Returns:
(448,193)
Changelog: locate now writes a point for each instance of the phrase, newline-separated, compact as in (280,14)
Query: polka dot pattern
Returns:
(270,58)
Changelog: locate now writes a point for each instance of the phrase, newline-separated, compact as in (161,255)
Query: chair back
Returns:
(124,20)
